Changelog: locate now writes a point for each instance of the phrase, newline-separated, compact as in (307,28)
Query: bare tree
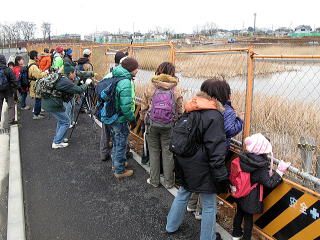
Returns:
(169,32)
(46,30)
(27,29)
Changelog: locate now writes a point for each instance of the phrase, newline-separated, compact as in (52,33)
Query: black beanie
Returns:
(118,57)
(130,64)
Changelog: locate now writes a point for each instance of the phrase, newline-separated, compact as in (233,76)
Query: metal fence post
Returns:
(249,93)
(307,146)
(173,53)
(318,171)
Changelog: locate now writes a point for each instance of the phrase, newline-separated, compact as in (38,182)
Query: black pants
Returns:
(248,224)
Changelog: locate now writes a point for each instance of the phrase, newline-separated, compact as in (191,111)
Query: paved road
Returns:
(70,194)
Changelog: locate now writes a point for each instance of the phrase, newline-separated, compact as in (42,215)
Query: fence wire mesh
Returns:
(285,108)
(149,58)
(193,69)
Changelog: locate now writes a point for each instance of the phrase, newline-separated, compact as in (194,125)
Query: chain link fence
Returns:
(285,108)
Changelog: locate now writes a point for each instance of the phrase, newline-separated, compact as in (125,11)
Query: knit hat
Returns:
(69,51)
(68,68)
(59,49)
(118,57)
(130,64)
(258,144)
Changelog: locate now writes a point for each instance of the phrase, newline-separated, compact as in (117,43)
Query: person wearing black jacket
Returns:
(255,162)
(204,172)
(8,89)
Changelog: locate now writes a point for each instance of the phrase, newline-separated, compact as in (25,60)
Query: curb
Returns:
(16,221)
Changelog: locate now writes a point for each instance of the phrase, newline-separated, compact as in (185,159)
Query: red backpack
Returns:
(241,180)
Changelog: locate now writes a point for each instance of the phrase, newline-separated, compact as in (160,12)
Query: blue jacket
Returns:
(232,124)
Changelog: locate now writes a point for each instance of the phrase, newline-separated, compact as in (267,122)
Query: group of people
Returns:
(201,175)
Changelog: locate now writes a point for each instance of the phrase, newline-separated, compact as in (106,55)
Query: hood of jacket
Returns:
(44,54)
(121,72)
(202,101)
(3,62)
(164,81)
(250,162)
(83,60)
(32,61)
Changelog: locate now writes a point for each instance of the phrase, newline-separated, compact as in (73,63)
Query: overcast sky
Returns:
(87,16)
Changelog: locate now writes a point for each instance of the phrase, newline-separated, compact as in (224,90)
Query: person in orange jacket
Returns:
(45,60)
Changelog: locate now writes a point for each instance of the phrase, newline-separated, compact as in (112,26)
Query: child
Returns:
(232,126)
(255,162)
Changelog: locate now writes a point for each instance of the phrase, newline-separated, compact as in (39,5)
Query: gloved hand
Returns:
(282,167)
(88,81)
(224,186)
(95,74)
(133,124)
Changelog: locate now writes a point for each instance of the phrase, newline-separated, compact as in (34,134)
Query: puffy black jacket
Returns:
(258,167)
(9,73)
(202,172)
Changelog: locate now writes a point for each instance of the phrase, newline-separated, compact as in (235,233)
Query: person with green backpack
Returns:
(55,90)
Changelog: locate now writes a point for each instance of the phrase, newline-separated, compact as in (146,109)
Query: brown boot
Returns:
(125,165)
(127,173)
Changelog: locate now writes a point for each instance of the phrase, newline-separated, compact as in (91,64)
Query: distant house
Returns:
(303,29)
(318,29)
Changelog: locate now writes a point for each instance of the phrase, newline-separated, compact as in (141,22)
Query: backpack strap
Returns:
(32,64)
(261,193)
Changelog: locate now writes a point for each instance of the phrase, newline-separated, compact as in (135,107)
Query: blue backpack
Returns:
(106,111)
(4,83)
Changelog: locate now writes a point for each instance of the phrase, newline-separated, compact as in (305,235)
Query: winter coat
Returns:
(166,82)
(34,73)
(44,61)
(68,59)
(203,172)
(57,61)
(124,99)
(258,167)
(64,85)
(232,124)
(13,83)
(16,71)
(85,63)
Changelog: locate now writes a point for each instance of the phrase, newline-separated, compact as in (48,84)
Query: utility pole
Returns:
(254,22)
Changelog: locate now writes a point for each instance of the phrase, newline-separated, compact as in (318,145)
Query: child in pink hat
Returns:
(256,162)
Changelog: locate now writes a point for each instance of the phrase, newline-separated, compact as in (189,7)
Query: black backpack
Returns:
(4,83)
(186,136)
(23,78)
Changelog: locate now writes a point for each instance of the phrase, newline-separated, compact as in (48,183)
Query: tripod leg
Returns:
(82,100)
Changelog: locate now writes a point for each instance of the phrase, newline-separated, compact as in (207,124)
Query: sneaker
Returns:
(65,140)
(35,117)
(71,126)
(42,110)
(154,185)
(189,209)
(127,173)
(236,238)
(197,215)
(218,236)
(26,108)
(59,145)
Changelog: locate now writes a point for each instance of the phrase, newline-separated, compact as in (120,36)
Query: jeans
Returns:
(248,224)
(106,144)
(119,135)
(63,122)
(159,139)
(23,98)
(195,202)
(37,106)
(68,107)
(178,209)
(8,95)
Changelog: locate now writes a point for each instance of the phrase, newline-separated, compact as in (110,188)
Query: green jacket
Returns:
(65,85)
(57,61)
(124,96)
